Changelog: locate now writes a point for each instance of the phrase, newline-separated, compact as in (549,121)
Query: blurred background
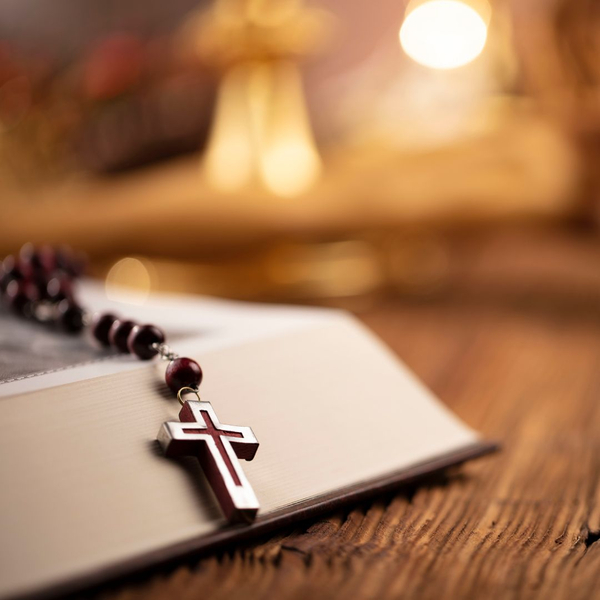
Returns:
(333,152)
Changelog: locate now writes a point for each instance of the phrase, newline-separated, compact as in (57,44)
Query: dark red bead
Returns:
(5,279)
(31,290)
(119,333)
(101,327)
(27,251)
(11,267)
(10,272)
(40,281)
(72,263)
(15,296)
(183,372)
(36,260)
(141,339)
(47,258)
(19,296)
(63,256)
(70,316)
(59,288)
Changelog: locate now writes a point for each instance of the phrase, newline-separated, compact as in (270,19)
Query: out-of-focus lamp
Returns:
(261,134)
(445,34)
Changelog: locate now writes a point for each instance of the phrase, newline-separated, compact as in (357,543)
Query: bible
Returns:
(87,494)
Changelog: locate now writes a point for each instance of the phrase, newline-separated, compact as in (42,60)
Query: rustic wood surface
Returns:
(524,369)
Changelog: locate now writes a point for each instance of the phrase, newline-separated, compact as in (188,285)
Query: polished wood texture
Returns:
(521,366)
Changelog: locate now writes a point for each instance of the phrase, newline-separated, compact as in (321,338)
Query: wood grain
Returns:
(523,523)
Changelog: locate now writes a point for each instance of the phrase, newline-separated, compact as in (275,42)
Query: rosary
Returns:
(38,284)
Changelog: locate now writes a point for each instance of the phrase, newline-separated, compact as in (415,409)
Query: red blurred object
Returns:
(113,67)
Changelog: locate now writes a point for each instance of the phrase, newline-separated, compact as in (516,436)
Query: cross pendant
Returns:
(218,448)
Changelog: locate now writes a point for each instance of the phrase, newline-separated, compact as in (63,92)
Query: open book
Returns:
(86,493)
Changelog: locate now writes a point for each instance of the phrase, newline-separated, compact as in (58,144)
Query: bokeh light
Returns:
(443,34)
(130,280)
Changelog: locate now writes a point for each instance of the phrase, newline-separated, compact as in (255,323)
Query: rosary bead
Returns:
(183,372)
(59,288)
(35,261)
(9,271)
(27,251)
(101,327)
(63,256)
(141,339)
(70,316)
(40,280)
(15,296)
(7,264)
(5,279)
(119,333)
(72,263)
(10,267)
(19,296)
(47,258)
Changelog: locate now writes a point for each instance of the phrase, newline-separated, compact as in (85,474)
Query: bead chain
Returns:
(38,284)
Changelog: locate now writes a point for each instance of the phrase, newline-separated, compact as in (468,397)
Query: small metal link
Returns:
(165,351)
(187,390)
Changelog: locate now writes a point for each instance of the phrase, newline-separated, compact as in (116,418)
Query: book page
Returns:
(34,357)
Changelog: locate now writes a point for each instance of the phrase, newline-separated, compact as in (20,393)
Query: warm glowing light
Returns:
(289,162)
(229,159)
(443,34)
(290,167)
(129,280)
(262,133)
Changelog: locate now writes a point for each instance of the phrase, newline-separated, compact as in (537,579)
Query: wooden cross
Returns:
(218,448)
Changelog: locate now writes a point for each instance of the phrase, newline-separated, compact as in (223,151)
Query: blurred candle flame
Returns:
(262,132)
(444,34)
(228,160)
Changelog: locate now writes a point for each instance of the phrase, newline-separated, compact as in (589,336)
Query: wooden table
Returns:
(523,367)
